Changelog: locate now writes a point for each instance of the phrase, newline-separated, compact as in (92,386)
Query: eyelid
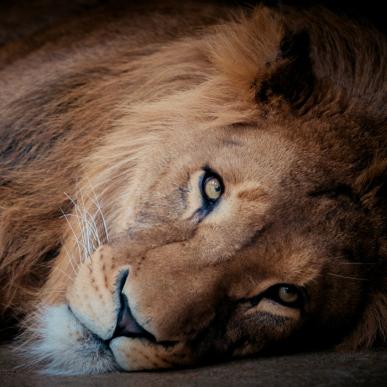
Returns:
(270,294)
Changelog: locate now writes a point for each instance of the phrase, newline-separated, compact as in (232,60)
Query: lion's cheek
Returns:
(93,297)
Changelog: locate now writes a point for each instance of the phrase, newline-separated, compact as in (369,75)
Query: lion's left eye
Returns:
(212,187)
(288,295)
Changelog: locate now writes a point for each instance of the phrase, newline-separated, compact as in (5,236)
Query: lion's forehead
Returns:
(259,164)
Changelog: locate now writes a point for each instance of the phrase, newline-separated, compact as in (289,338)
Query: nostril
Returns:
(127,324)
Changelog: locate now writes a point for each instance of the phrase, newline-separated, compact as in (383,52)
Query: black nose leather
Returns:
(127,324)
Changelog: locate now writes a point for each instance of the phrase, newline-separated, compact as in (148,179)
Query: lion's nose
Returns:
(127,324)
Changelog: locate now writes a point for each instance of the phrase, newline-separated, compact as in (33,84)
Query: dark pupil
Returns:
(288,290)
(217,187)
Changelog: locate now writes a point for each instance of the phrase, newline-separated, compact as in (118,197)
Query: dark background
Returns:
(371,11)
(367,11)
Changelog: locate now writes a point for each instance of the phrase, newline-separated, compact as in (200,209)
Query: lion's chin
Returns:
(66,347)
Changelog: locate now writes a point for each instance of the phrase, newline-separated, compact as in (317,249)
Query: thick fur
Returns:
(106,124)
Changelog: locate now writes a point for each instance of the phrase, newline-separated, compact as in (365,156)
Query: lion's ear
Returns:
(290,76)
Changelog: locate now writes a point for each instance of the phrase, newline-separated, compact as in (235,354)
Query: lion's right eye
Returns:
(211,187)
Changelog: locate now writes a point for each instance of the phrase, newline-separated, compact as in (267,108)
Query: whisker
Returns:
(73,231)
(57,268)
(69,258)
(58,291)
(347,277)
(99,209)
(89,238)
(92,232)
(357,263)
(85,227)
(78,214)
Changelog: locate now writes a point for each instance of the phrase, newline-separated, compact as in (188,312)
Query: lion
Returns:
(182,187)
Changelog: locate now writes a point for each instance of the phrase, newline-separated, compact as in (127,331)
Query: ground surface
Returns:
(309,370)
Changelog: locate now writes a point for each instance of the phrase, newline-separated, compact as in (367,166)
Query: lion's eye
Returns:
(212,187)
(288,295)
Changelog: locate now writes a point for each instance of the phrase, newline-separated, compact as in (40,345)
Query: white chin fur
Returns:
(65,346)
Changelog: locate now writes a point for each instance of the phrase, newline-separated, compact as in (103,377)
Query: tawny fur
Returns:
(83,112)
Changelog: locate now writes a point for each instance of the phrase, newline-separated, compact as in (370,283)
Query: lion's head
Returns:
(230,199)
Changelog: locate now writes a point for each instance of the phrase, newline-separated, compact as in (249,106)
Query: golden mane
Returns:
(113,107)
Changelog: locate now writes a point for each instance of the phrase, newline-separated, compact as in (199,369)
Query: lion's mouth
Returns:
(127,325)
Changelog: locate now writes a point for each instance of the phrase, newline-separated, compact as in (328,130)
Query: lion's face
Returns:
(225,196)
(215,256)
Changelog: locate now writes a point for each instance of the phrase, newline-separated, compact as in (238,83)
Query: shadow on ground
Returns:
(310,370)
